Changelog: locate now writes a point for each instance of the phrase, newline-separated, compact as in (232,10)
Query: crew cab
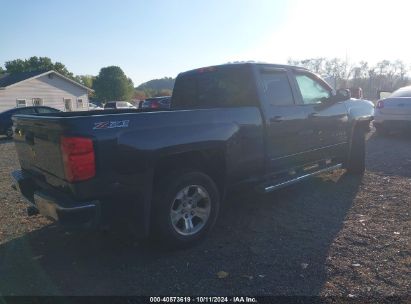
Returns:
(167,171)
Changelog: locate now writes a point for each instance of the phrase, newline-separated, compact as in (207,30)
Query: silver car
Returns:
(394,112)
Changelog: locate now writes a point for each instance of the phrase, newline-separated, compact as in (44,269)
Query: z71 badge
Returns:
(111,124)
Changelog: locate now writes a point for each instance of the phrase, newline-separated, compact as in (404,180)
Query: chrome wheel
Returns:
(190,210)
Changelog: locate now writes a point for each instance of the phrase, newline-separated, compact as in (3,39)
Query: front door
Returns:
(327,119)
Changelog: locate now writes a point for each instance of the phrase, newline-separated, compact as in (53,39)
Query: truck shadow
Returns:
(261,245)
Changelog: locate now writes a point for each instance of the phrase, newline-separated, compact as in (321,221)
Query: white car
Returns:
(93,106)
(118,105)
(394,112)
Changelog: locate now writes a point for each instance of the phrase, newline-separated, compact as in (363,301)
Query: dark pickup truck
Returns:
(167,172)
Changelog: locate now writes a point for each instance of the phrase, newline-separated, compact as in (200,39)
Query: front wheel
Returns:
(185,208)
(356,157)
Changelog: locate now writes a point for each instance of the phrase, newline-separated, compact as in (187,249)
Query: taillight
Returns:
(155,104)
(380,104)
(78,158)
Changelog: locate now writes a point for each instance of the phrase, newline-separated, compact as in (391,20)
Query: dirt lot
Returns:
(331,235)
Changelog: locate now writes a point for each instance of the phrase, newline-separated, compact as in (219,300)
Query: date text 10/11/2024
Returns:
(203,300)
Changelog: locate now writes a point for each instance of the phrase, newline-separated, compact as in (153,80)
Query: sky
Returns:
(154,39)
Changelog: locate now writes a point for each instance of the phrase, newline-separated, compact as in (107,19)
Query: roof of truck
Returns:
(215,67)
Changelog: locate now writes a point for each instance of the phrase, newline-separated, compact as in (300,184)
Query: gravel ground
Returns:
(331,235)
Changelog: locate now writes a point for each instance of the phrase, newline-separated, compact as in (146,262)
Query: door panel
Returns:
(286,137)
(327,120)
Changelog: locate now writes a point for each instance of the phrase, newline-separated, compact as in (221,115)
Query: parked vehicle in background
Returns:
(6,122)
(394,112)
(366,105)
(118,105)
(92,106)
(163,102)
(167,172)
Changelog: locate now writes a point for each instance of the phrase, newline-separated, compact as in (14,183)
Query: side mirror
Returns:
(342,94)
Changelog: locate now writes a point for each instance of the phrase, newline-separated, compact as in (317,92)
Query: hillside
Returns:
(166,83)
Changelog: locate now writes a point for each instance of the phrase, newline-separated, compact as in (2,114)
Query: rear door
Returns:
(287,133)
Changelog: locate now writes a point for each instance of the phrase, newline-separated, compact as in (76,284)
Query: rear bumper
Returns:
(393,124)
(381,118)
(57,206)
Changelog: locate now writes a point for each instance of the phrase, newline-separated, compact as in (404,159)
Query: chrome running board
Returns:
(300,178)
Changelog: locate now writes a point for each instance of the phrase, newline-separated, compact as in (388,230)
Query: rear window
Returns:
(47,110)
(25,111)
(403,92)
(228,87)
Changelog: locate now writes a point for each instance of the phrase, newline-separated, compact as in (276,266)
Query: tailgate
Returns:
(37,143)
(397,106)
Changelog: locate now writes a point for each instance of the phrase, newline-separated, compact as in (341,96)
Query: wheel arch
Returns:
(209,161)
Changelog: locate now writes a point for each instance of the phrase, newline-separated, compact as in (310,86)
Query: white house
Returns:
(42,88)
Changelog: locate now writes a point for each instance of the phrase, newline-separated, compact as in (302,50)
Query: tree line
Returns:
(385,75)
(110,84)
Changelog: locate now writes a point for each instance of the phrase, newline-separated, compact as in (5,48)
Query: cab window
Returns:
(231,86)
(47,110)
(25,111)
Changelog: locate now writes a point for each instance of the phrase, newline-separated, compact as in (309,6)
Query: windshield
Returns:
(403,92)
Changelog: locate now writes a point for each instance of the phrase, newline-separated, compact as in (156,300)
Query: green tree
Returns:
(163,92)
(139,94)
(36,64)
(86,80)
(157,84)
(112,84)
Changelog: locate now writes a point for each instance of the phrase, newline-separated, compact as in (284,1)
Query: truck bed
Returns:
(127,142)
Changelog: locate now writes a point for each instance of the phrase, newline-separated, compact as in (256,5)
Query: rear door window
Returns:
(276,88)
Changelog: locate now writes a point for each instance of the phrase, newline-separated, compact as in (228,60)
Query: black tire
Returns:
(9,133)
(356,158)
(164,199)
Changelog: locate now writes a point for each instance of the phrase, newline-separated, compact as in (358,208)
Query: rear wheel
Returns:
(185,208)
(356,158)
